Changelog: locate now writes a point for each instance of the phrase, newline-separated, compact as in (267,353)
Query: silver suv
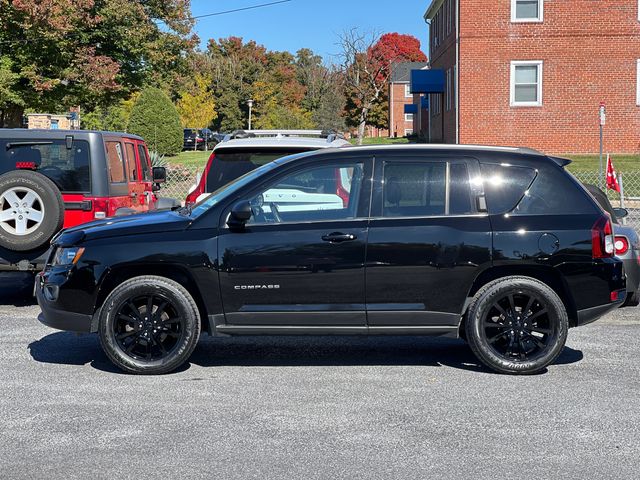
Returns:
(244,151)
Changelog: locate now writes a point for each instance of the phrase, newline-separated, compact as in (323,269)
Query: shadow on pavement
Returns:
(16,288)
(71,349)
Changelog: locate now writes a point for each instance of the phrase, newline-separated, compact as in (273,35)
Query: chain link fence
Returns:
(181,180)
(629,196)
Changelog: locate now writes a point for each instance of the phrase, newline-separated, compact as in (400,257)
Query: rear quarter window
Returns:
(505,185)
(115,160)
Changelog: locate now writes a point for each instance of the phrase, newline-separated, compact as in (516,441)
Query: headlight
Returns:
(67,256)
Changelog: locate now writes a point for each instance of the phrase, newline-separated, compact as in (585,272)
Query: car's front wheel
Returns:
(149,325)
(516,325)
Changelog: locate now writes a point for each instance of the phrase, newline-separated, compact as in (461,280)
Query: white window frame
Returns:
(638,82)
(539,19)
(408,117)
(407,91)
(512,81)
(408,131)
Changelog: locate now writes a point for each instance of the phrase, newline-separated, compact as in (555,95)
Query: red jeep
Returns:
(50,179)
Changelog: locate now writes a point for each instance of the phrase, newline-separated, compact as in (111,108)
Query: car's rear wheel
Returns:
(149,325)
(516,325)
(31,210)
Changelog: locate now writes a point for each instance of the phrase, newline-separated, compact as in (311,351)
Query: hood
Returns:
(153,222)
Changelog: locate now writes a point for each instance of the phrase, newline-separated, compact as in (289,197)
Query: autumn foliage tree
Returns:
(367,64)
(197,106)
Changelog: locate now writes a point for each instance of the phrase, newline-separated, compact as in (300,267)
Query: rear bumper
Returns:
(590,315)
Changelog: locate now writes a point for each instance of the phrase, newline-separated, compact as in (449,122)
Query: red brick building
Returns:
(533,73)
(402,124)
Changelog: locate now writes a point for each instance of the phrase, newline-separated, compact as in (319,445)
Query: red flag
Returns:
(612,176)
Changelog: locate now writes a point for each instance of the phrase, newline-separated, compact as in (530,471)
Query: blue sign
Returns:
(427,81)
(411,108)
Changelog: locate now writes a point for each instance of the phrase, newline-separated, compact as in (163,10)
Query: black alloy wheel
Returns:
(148,327)
(516,325)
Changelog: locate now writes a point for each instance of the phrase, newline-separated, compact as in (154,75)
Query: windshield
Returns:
(231,163)
(229,189)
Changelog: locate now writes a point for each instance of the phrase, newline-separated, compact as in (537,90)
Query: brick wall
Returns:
(589,51)
(443,57)
(397,101)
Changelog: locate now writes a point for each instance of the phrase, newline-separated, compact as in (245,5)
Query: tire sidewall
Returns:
(479,309)
(53,210)
(180,300)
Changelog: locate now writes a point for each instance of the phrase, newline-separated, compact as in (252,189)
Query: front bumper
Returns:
(59,319)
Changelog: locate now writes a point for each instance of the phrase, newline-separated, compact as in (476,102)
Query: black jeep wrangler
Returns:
(500,246)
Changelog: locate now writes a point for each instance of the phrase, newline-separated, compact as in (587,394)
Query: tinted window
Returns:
(505,185)
(553,192)
(131,162)
(230,164)
(144,163)
(461,199)
(414,189)
(115,161)
(314,194)
(69,169)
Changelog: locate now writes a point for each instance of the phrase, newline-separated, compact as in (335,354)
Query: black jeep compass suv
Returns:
(500,246)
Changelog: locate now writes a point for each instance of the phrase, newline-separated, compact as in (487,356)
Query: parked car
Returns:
(202,139)
(627,244)
(243,151)
(54,179)
(499,246)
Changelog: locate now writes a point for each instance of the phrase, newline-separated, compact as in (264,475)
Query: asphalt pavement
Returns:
(317,408)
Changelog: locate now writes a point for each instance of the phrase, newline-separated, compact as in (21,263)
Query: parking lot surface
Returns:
(325,407)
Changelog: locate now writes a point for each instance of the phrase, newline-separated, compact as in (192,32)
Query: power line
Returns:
(252,7)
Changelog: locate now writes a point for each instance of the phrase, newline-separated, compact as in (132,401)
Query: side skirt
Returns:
(436,331)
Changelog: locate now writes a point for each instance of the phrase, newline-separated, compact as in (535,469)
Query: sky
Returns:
(313,24)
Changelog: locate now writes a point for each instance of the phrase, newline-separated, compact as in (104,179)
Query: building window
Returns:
(407,91)
(435,104)
(526,84)
(408,132)
(450,16)
(527,10)
(408,117)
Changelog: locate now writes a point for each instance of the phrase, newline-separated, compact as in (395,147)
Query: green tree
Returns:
(197,107)
(156,119)
(94,52)
(10,99)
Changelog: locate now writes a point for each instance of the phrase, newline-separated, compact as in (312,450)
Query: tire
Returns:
(31,224)
(523,339)
(177,327)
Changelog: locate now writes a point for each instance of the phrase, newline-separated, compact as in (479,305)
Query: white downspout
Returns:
(392,106)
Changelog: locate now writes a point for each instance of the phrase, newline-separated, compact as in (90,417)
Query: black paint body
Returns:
(397,275)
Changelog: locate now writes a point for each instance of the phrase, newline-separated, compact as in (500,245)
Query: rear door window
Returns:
(115,160)
(132,162)
(414,189)
(231,163)
(68,168)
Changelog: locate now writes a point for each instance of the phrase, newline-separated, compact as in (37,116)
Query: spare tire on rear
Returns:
(31,210)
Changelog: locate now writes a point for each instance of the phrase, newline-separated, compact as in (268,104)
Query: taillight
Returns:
(202,184)
(621,244)
(100,208)
(602,244)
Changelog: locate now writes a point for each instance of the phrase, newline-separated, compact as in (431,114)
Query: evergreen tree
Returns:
(156,119)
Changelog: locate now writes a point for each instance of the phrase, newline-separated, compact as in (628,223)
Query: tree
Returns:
(156,119)
(197,108)
(10,99)
(93,52)
(367,62)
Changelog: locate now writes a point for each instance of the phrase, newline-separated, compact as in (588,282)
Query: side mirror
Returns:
(159,174)
(621,212)
(240,214)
